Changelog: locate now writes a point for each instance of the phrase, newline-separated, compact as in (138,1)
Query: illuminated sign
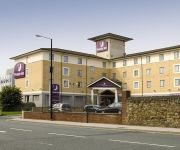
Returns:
(101,46)
(19,70)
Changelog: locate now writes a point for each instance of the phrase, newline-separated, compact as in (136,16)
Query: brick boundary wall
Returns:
(159,111)
(75,117)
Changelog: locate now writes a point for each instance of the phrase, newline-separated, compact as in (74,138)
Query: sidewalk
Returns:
(108,126)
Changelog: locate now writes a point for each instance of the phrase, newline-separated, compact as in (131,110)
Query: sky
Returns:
(151,23)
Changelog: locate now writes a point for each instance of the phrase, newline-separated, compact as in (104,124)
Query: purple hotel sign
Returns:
(55,93)
(19,70)
(101,46)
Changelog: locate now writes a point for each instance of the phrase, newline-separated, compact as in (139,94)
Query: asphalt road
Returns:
(17,135)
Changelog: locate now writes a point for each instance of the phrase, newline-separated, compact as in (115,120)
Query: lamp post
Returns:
(51,72)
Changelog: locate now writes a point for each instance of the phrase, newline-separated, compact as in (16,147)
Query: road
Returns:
(18,135)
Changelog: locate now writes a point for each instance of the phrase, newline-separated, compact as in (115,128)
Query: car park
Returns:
(92,108)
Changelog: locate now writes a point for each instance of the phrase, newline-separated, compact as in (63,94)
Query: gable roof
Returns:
(104,83)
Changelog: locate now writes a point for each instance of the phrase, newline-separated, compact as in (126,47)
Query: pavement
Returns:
(100,125)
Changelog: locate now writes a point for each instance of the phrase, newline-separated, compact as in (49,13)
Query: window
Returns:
(91,68)
(65,59)
(136,73)
(124,86)
(79,73)
(66,83)
(35,98)
(50,56)
(79,60)
(148,72)
(104,64)
(92,79)
(148,84)
(66,71)
(27,72)
(104,74)
(114,64)
(148,59)
(161,57)
(27,83)
(79,84)
(124,62)
(177,68)
(177,82)
(136,85)
(176,54)
(113,75)
(161,70)
(135,61)
(124,74)
(161,83)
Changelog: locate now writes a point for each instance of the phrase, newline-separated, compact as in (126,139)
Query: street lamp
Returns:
(51,71)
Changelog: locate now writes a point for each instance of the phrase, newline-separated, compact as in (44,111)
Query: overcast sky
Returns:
(151,23)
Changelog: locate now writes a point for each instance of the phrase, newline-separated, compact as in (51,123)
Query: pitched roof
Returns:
(56,50)
(110,35)
(104,83)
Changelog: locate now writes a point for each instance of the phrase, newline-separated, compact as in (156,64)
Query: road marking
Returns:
(45,143)
(24,130)
(76,136)
(2,131)
(135,142)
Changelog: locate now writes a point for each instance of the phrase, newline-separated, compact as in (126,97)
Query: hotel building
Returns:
(100,79)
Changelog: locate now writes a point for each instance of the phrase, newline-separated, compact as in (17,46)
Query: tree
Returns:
(11,98)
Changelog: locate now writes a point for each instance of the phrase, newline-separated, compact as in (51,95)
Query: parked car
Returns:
(92,108)
(112,108)
(62,107)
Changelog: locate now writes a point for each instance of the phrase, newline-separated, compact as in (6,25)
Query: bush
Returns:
(28,106)
(11,98)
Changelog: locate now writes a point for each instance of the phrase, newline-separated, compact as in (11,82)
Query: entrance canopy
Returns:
(103,84)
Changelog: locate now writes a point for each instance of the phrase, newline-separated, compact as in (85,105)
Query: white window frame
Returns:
(104,64)
(65,56)
(161,83)
(91,68)
(148,59)
(176,54)
(136,61)
(114,64)
(68,71)
(79,73)
(79,61)
(124,62)
(134,73)
(148,71)
(67,83)
(148,85)
(175,82)
(175,68)
(161,57)
(79,84)
(161,70)
(114,75)
(134,84)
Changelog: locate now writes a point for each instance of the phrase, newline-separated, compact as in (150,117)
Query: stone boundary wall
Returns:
(75,117)
(159,111)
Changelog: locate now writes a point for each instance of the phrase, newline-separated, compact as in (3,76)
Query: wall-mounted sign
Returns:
(55,93)
(101,46)
(19,70)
